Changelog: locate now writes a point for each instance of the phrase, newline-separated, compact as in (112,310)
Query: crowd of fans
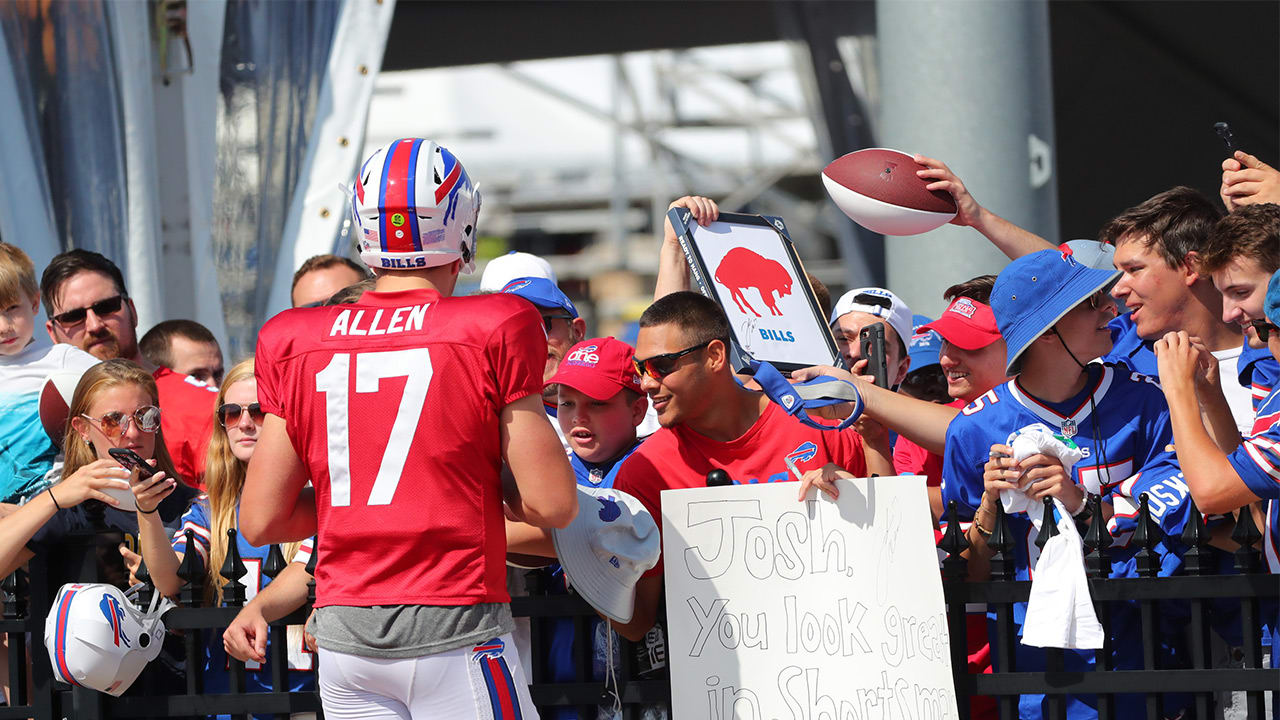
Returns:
(1152,350)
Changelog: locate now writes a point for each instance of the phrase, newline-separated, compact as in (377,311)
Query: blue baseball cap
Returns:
(1271,304)
(1035,291)
(925,345)
(541,292)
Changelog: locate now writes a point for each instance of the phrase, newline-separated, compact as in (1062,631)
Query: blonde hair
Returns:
(224,476)
(104,376)
(17,276)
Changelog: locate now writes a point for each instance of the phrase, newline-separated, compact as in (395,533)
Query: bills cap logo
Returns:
(515,285)
(609,510)
(1067,254)
(963,306)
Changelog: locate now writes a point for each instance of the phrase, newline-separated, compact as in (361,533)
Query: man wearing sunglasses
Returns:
(709,421)
(88,307)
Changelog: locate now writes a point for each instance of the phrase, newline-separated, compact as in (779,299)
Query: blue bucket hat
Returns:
(1271,304)
(541,292)
(925,345)
(1035,291)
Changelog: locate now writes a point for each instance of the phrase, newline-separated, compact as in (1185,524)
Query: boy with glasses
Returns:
(711,422)
(88,306)
(29,460)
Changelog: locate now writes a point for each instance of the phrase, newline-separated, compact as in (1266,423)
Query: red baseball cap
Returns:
(598,367)
(966,323)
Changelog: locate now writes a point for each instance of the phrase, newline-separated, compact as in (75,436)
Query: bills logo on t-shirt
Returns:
(804,453)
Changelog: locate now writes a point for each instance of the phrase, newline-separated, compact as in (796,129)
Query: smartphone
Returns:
(871,344)
(1224,132)
(133,461)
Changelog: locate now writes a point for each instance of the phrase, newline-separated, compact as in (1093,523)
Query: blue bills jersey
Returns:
(1123,428)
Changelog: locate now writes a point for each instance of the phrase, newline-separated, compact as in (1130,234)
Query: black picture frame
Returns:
(687,231)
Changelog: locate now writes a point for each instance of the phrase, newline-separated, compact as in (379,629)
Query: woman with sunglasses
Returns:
(115,405)
(237,422)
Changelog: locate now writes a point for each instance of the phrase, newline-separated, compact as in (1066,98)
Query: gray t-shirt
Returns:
(405,631)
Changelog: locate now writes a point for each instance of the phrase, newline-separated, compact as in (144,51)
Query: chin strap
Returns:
(797,399)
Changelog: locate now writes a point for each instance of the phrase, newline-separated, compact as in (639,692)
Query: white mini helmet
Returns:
(97,639)
(415,207)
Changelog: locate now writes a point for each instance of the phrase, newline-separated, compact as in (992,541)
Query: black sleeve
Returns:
(57,528)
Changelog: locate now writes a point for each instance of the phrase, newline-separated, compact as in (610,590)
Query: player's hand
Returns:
(1044,476)
(823,478)
(1001,471)
(704,211)
(89,481)
(246,637)
(309,640)
(132,561)
(1246,180)
(968,211)
(149,492)
(1180,362)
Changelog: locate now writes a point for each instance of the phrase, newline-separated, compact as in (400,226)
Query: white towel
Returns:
(1060,610)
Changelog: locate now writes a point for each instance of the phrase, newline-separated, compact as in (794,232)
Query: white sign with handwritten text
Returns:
(821,610)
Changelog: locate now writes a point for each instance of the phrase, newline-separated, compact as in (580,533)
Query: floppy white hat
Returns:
(607,547)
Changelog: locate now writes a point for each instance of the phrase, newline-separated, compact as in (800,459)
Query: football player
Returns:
(401,409)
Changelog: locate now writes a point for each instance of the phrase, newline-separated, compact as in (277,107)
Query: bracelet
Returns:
(54,499)
(983,532)
(1084,505)
(148,512)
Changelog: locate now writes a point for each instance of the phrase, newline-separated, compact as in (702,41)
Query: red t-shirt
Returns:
(393,405)
(681,458)
(911,459)
(186,419)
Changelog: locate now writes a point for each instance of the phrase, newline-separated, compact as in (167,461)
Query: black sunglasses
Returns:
(546,320)
(660,366)
(109,306)
(1263,328)
(229,413)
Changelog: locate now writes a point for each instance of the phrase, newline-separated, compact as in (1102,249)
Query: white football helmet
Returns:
(415,207)
(97,639)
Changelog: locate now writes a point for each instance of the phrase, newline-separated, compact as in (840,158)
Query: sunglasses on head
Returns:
(109,306)
(229,413)
(546,320)
(1263,328)
(660,366)
(116,423)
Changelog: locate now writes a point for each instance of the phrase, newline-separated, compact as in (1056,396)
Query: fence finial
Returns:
(1048,525)
(1246,534)
(233,569)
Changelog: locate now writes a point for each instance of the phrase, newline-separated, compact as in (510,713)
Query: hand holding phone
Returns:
(133,461)
(871,345)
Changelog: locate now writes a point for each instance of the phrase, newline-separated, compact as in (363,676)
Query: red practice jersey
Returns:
(681,458)
(186,418)
(393,405)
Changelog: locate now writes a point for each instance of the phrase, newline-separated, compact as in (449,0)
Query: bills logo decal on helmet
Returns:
(115,616)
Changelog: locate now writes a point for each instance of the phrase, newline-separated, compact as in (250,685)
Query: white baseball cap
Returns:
(502,270)
(607,547)
(880,303)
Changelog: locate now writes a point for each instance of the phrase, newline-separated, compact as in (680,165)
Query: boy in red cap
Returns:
(599,407)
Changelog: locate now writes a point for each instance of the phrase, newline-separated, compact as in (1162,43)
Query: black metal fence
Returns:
(1197,587)
(35,694)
